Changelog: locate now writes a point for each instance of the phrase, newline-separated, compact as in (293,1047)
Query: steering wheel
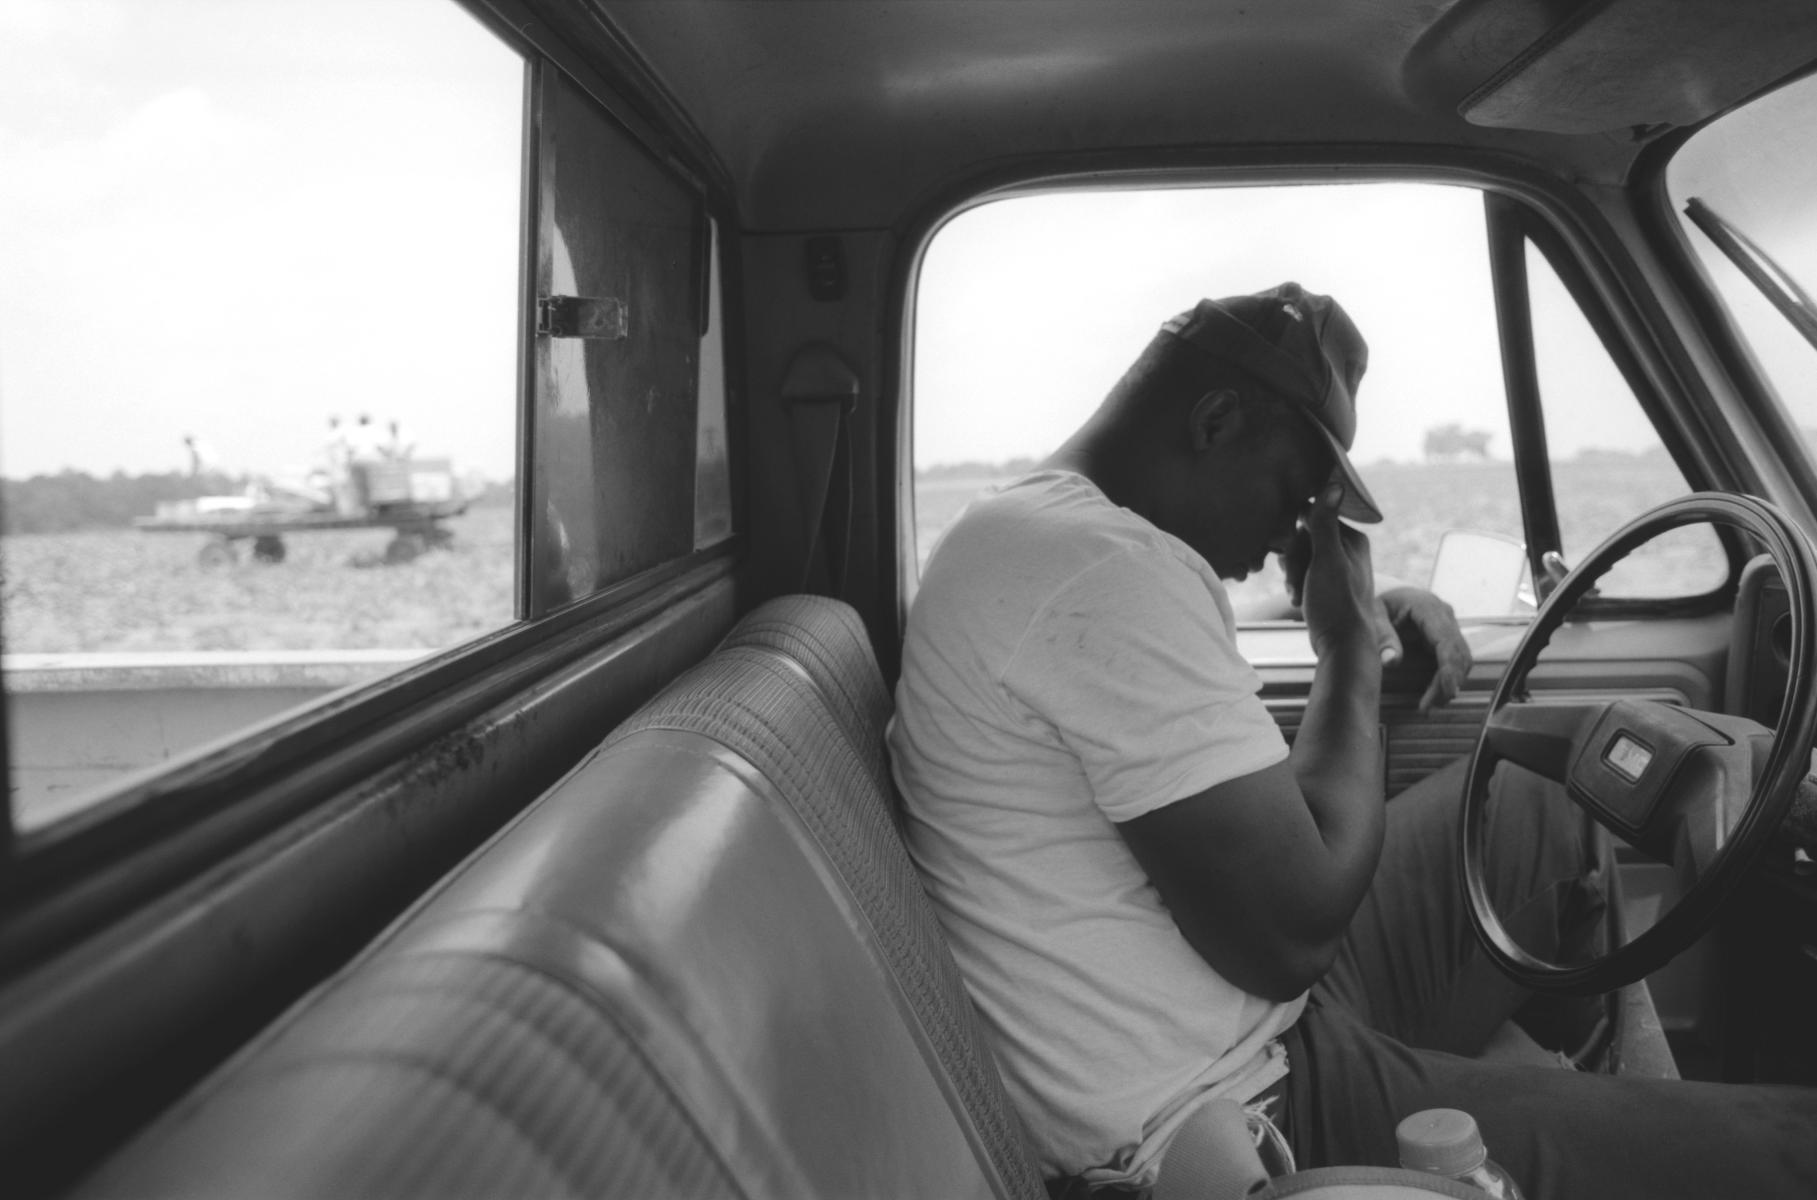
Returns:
(1701,791)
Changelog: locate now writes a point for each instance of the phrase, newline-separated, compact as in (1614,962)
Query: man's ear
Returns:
(1215,417)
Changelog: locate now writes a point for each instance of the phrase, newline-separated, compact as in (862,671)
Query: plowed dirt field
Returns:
(125,590)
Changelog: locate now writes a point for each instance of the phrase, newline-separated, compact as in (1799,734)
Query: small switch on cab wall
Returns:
(826,268)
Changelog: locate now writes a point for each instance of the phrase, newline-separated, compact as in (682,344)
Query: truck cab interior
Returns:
(609,898)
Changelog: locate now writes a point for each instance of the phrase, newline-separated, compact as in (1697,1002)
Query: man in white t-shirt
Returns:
(1152,899)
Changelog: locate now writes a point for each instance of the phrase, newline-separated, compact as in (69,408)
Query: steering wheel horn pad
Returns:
(1635,765)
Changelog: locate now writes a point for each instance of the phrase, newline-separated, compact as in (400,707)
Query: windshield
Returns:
(1745,190)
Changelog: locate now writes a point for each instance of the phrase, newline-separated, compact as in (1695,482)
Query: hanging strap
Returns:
(820,391)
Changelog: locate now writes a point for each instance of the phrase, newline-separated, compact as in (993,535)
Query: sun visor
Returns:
(1619,64)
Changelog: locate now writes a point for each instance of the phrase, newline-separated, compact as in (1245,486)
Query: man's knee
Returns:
(1447,782)
(1544,854)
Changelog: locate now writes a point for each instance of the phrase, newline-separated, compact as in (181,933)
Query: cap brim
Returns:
(1358,505)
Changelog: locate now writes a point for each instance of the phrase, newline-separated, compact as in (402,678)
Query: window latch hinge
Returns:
(1553,568)
(582,317)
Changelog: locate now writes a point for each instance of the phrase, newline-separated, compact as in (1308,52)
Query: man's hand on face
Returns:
(1399,611)
(1329,576)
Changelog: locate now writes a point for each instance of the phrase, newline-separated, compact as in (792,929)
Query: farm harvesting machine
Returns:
(410,496)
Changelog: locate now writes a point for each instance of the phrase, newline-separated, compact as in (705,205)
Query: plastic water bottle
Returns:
(1445,1141)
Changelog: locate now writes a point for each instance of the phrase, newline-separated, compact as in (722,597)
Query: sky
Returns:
(236,218)
(1030,308)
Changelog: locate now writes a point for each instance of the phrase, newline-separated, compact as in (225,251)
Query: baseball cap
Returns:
(1305,347)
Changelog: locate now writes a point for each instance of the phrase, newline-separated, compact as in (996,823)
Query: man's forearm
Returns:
(1337,760)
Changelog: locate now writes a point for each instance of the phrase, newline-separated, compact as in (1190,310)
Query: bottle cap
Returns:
(1442,1141)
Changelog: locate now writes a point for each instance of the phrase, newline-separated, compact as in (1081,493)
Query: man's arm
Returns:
(1262,873)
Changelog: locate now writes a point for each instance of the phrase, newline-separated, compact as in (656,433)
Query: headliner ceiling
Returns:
(852,113)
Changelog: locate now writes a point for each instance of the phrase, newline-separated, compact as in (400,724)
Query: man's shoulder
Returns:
(1015,554)
(1055,518)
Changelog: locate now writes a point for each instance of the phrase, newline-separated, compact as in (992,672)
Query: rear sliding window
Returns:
(628,446)
(1030,309)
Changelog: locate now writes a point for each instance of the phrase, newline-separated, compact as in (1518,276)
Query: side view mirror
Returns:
(1480,574)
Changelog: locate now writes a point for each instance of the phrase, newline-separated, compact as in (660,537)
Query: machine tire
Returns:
(217,552)
(405,547)
(268,548)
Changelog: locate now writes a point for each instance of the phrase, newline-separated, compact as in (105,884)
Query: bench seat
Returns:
(699,965)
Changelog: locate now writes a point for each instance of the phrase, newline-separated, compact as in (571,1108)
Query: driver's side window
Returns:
(1030,308)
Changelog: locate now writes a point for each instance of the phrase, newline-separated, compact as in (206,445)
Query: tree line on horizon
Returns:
(1445,446)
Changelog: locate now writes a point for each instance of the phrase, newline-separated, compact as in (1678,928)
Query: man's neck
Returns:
(1105,462)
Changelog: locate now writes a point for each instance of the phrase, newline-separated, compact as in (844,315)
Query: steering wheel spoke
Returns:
(1542,736)
(1709,797)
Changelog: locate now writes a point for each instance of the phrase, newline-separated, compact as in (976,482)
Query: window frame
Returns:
(1602,274)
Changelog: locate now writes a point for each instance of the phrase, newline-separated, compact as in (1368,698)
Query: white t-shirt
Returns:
(1069,665)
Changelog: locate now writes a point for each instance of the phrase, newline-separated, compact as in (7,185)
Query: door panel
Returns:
(1418,743)
(1681,660)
